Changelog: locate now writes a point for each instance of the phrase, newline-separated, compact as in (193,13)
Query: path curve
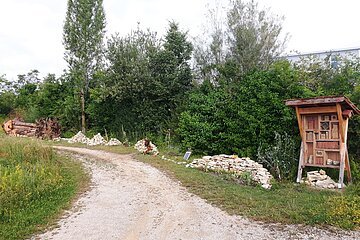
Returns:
(132,200)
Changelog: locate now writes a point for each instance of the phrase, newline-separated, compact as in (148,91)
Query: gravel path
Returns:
(132,200)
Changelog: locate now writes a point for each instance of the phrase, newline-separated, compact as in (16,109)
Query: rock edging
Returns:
(235,165)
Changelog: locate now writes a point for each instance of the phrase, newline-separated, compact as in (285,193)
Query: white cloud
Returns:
(319,25)
(31,30)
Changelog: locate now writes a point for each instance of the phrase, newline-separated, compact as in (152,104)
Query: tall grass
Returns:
(35,184)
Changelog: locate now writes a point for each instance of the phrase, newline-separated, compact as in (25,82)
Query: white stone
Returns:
(79,138)
(319,179)
(96,140)
(327,183)
(140,146)
(113,142)
(233,164)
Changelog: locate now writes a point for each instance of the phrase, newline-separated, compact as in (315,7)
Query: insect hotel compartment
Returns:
(322,140)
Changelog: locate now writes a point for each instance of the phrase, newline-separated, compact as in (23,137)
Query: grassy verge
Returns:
(35,186)
(284,203)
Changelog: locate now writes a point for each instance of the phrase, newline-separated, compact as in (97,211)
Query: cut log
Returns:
(44,128)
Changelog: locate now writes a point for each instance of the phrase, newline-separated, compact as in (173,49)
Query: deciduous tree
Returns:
(84,30)
(246,38)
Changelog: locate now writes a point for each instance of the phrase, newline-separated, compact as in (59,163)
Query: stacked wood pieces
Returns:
(44,128)
(47,128)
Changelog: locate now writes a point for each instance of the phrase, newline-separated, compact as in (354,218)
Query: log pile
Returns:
(47,128)
(44,128)
(18,127)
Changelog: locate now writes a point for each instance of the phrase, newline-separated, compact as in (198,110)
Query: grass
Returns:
(36,185)
(285,203)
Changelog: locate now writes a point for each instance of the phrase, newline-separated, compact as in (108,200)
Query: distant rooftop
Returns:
(342,50)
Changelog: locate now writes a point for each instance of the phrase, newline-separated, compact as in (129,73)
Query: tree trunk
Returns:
(82,99)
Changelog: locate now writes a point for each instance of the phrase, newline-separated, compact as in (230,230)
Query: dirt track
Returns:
(131,200)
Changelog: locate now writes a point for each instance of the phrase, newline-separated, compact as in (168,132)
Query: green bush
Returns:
(281,158)
(239,116)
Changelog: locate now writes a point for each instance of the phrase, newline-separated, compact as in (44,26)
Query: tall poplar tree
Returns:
(83,35)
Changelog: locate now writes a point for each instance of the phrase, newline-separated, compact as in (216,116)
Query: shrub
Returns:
(237,117)
(281,157)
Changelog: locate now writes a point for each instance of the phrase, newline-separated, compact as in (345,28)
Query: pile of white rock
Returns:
(140,146)
(95,140)
(234,165)
(319,179)
(79,138)
(113,142)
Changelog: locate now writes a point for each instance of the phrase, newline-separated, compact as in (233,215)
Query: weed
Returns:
(35,184)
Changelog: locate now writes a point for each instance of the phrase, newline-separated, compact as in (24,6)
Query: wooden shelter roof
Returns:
(346,104)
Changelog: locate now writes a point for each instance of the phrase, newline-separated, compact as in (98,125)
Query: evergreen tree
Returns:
(171,72)
(84,30)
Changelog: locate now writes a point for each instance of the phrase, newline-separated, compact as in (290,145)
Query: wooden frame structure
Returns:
(323,124)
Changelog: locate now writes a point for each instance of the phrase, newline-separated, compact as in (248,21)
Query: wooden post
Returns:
(300,123)
(301,161)
(302,148)
(342,145)
(347,160)
(342,166)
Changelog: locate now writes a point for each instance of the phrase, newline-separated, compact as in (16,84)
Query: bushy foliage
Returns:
(247,37)
(236,118)
(322,78)
(145,83)
(281,157)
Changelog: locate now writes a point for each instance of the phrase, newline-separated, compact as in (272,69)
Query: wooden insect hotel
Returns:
(323,124)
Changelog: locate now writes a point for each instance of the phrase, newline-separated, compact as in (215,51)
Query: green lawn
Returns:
(284,203)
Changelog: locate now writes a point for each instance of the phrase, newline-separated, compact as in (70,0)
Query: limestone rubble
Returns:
(140,146)
(235,165)
(79,138)
(319,179)
(113,142)
(95,140)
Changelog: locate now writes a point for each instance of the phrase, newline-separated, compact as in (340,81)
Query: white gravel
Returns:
(132,200)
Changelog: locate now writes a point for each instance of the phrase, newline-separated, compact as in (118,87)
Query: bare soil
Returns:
(132,200)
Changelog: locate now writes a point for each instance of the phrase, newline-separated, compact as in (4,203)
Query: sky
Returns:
(31,30)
